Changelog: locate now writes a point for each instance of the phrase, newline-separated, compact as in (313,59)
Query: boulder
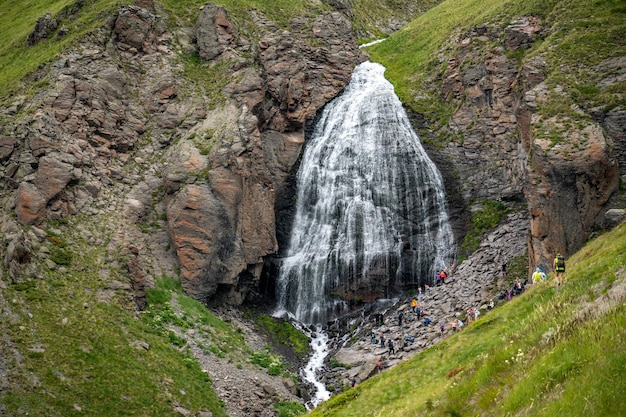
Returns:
(614,217)
(30,204)
(205,240)
(214,32)
(134,27)
(7,145)
(53,175)
(44,27)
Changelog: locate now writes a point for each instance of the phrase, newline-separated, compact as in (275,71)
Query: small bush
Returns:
(289,409)
(483,220)
(284,333)
(175,340)
(272,363)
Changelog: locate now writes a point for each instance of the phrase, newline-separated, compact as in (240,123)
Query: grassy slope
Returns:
(18,18)
(582,34)
(83,350)
(538,355)
(410,54)
(368,14)
(70,352)
(79,355)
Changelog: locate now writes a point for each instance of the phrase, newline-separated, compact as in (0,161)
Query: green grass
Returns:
(370,14)
(272,362)
(587,33)
(18,62)
(279,11)
(167,306)
(18,18)
(486,218)
(289,409)
(283,333)
(80,355)
(545,353)
(409,55)
(581,35)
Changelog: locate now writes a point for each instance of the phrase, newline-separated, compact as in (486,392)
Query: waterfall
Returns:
(371,214)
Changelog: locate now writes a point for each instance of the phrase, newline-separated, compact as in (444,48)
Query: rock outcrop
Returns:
(572,182)
(45,26)
(223,230)
(567,179)
(118,120)
(118,117)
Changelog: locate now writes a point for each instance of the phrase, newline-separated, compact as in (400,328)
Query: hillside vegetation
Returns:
(547,352)
(582,35)
(19,63)
(81,348)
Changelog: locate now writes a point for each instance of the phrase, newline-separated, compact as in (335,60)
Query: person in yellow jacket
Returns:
(559,268)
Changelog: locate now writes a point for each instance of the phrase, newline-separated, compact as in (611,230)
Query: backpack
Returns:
(560,263)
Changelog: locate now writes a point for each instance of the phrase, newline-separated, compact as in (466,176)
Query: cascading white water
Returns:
(370,204)
(319,349)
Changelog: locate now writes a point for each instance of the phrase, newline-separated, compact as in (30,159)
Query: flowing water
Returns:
(371,209)
(370,212)
(319,347)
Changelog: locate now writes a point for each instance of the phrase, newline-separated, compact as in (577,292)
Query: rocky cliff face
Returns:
(567,181)
(222,230)
(120,130)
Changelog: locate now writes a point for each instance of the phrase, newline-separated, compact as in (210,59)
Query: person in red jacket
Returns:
(444,275)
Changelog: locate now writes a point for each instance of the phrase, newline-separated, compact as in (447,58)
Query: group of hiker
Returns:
(558,265)
(442,275)
(416,313)
(538,276)
(472,313)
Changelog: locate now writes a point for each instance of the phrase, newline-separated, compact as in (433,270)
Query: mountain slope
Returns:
(94,133)
(74,344)
(521,101)
(547,352)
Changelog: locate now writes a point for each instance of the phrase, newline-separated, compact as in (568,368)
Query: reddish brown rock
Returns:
(40,145)
(146,4)
(205,241)
(574,180)
(30,204)
(134,28)
(300,78)
(567,184)
(64,101)
(52,176)
(214,32)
